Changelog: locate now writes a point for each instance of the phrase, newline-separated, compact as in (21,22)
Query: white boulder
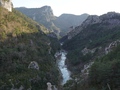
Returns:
(33,65)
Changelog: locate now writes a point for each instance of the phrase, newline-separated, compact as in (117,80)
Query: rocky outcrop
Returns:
(93,19)
(85,71)
(59,25)
(86,68)
(86,51)
(109,15)
(74,32)
(43,15)
(48,12)
(111,46)
(110,20)
(51,87)
(6,4)
(33,65)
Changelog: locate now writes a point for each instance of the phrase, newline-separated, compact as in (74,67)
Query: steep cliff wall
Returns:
(110,20)
(6,4)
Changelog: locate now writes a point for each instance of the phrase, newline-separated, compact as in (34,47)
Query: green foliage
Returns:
(93,36)
(106,70)
(59,25)
(104,73)
(21,41)
(76,58)
(54,44)
(44,18)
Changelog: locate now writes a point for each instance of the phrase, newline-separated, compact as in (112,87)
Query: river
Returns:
(61,57)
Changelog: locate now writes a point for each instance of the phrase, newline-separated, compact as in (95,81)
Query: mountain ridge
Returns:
(92,34)
(53,23)
(94,19)
(91,54)
(65,21)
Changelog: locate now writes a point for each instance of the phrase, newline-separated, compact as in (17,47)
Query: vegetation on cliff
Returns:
(90,45)
(59,25)
(94,38)
(21,42)
(105,72)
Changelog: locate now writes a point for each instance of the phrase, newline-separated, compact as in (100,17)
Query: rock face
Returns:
(93,19)
(43,15)
(110,20)
(59,25)
(49,86)
(33,65)
(86,68)
(86,51)
(6,4)
(48,12)
(111,46)
(89,40)
(74,32)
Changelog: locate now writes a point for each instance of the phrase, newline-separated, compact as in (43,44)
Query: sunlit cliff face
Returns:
(6,4)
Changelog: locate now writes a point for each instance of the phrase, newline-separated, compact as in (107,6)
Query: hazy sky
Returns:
(72,6)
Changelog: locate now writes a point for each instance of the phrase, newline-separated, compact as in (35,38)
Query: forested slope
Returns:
(23,41)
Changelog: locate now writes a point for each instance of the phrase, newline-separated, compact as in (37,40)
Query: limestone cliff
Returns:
(43,15)
(6,4)
(92,38)
(110,20)
(59,25)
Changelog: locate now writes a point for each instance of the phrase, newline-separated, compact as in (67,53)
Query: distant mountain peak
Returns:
(46,7)
(47,10)
(59,25)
